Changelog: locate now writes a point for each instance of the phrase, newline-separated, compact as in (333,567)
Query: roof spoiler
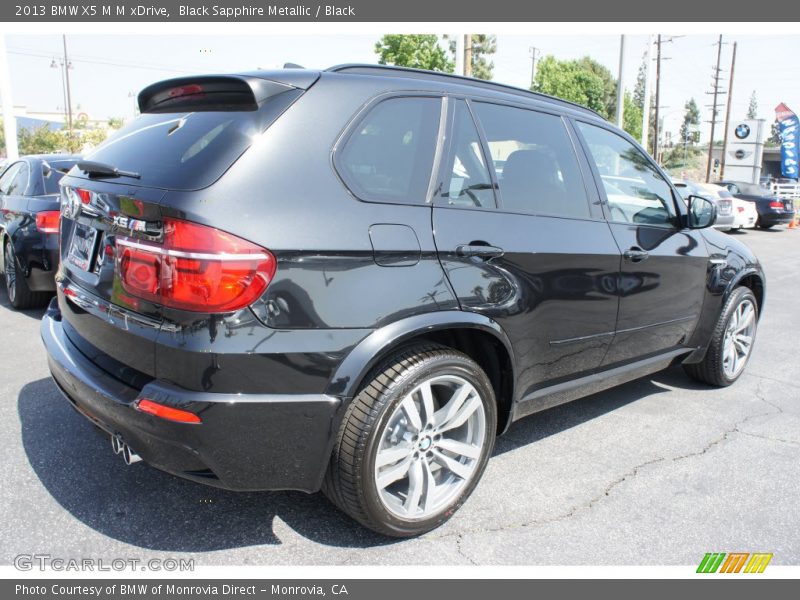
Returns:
(208,93)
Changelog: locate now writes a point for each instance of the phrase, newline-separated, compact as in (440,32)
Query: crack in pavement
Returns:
(460,550)
(630,474)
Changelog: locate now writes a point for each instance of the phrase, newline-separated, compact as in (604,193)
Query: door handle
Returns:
(636,254)
(479,250)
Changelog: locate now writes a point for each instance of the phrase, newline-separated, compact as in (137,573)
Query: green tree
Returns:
(40,140)
(609,84)
(691,121)
(483,46)
(752,108)
(774,138)
(115,122)
(2,139)
(632,116)
(573,81)
(419,51)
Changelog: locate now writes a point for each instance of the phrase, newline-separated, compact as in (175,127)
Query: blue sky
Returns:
(109,68)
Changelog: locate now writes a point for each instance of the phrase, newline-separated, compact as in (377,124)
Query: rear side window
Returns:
(535,161)
(8,176)
(51,176)
(19,184)
(388,157)
(188,150)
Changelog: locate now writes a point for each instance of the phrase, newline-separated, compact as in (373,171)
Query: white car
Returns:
(745,214)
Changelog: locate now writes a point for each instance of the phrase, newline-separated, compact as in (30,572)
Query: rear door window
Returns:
(389,154)
(534,160)
(8,177)
(188,150)
(19,184)
(467,181)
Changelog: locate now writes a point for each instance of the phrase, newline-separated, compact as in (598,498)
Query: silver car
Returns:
(725,216)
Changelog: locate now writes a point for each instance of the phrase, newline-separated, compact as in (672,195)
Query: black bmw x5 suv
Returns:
(353,280)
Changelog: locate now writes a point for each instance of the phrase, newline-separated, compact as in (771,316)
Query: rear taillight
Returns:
(740,209)
(47,221)
(196,268)
(776,204)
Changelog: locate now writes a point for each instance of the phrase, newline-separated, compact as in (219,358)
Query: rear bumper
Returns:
(245,442)
(724,222)
(776,218)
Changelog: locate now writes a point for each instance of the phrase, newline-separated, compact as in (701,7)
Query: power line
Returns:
(96,61)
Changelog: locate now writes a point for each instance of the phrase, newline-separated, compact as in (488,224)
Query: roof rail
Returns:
(393,71)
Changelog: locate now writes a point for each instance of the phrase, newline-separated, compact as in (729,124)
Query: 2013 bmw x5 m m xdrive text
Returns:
(354,280)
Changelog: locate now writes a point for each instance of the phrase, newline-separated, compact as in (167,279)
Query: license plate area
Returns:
(82,247)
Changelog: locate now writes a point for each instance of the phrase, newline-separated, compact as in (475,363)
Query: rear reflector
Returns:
(167,412)
(196,268)
(47,221)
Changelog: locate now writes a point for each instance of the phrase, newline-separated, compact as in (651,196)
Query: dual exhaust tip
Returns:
(120,447)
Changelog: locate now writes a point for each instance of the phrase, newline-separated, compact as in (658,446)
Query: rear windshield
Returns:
(187,151)
(54,174)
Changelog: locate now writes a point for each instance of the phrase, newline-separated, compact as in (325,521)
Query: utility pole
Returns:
(468,55)
(647,74)
(658,96)
(620,88)
(727,115)
(716,93)
(534,51)
(9,119)
(459,54)
(66,76)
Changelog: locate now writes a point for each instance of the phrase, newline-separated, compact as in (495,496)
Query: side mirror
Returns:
(702,212)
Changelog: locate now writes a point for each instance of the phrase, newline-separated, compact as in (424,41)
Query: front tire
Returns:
(731,343)
(19,294)
(414,442)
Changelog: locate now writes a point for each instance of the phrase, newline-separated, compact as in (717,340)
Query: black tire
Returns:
(760,225)
(710,370)
(20,295)
(350,482)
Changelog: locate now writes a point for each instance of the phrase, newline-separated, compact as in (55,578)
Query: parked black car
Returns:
(772,210)
(323,280)
(29,201)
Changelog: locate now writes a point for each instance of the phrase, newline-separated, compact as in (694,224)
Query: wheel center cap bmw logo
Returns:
(742,131)
(425,443)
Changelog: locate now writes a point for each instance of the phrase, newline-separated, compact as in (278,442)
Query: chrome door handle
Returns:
(635,254)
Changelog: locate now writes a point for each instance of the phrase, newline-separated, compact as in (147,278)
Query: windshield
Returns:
(187,151)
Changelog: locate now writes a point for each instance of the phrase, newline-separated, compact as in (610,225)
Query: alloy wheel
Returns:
(10,273)
(738,339)
(430,448)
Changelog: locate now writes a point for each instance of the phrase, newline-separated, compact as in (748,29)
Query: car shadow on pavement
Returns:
(144,507)
(565,416)
(33,313)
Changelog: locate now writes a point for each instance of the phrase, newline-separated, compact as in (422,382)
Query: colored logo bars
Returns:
(734,562)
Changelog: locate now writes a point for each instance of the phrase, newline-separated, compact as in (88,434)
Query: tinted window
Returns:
(389,155)
(636,191)
(467,179)
(52,175)
(19,184)
(534,160)
(186,151)
(8,177)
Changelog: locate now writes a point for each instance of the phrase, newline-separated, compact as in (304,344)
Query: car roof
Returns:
(457,80)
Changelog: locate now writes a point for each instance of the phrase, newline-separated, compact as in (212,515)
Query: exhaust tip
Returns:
(129,456)
(116,444)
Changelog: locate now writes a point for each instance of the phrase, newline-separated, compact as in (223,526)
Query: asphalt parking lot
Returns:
(659,471)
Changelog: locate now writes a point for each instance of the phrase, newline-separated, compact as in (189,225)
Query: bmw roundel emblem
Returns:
(742,131)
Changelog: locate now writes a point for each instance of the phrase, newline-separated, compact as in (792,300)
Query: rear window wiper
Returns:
(98,169)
